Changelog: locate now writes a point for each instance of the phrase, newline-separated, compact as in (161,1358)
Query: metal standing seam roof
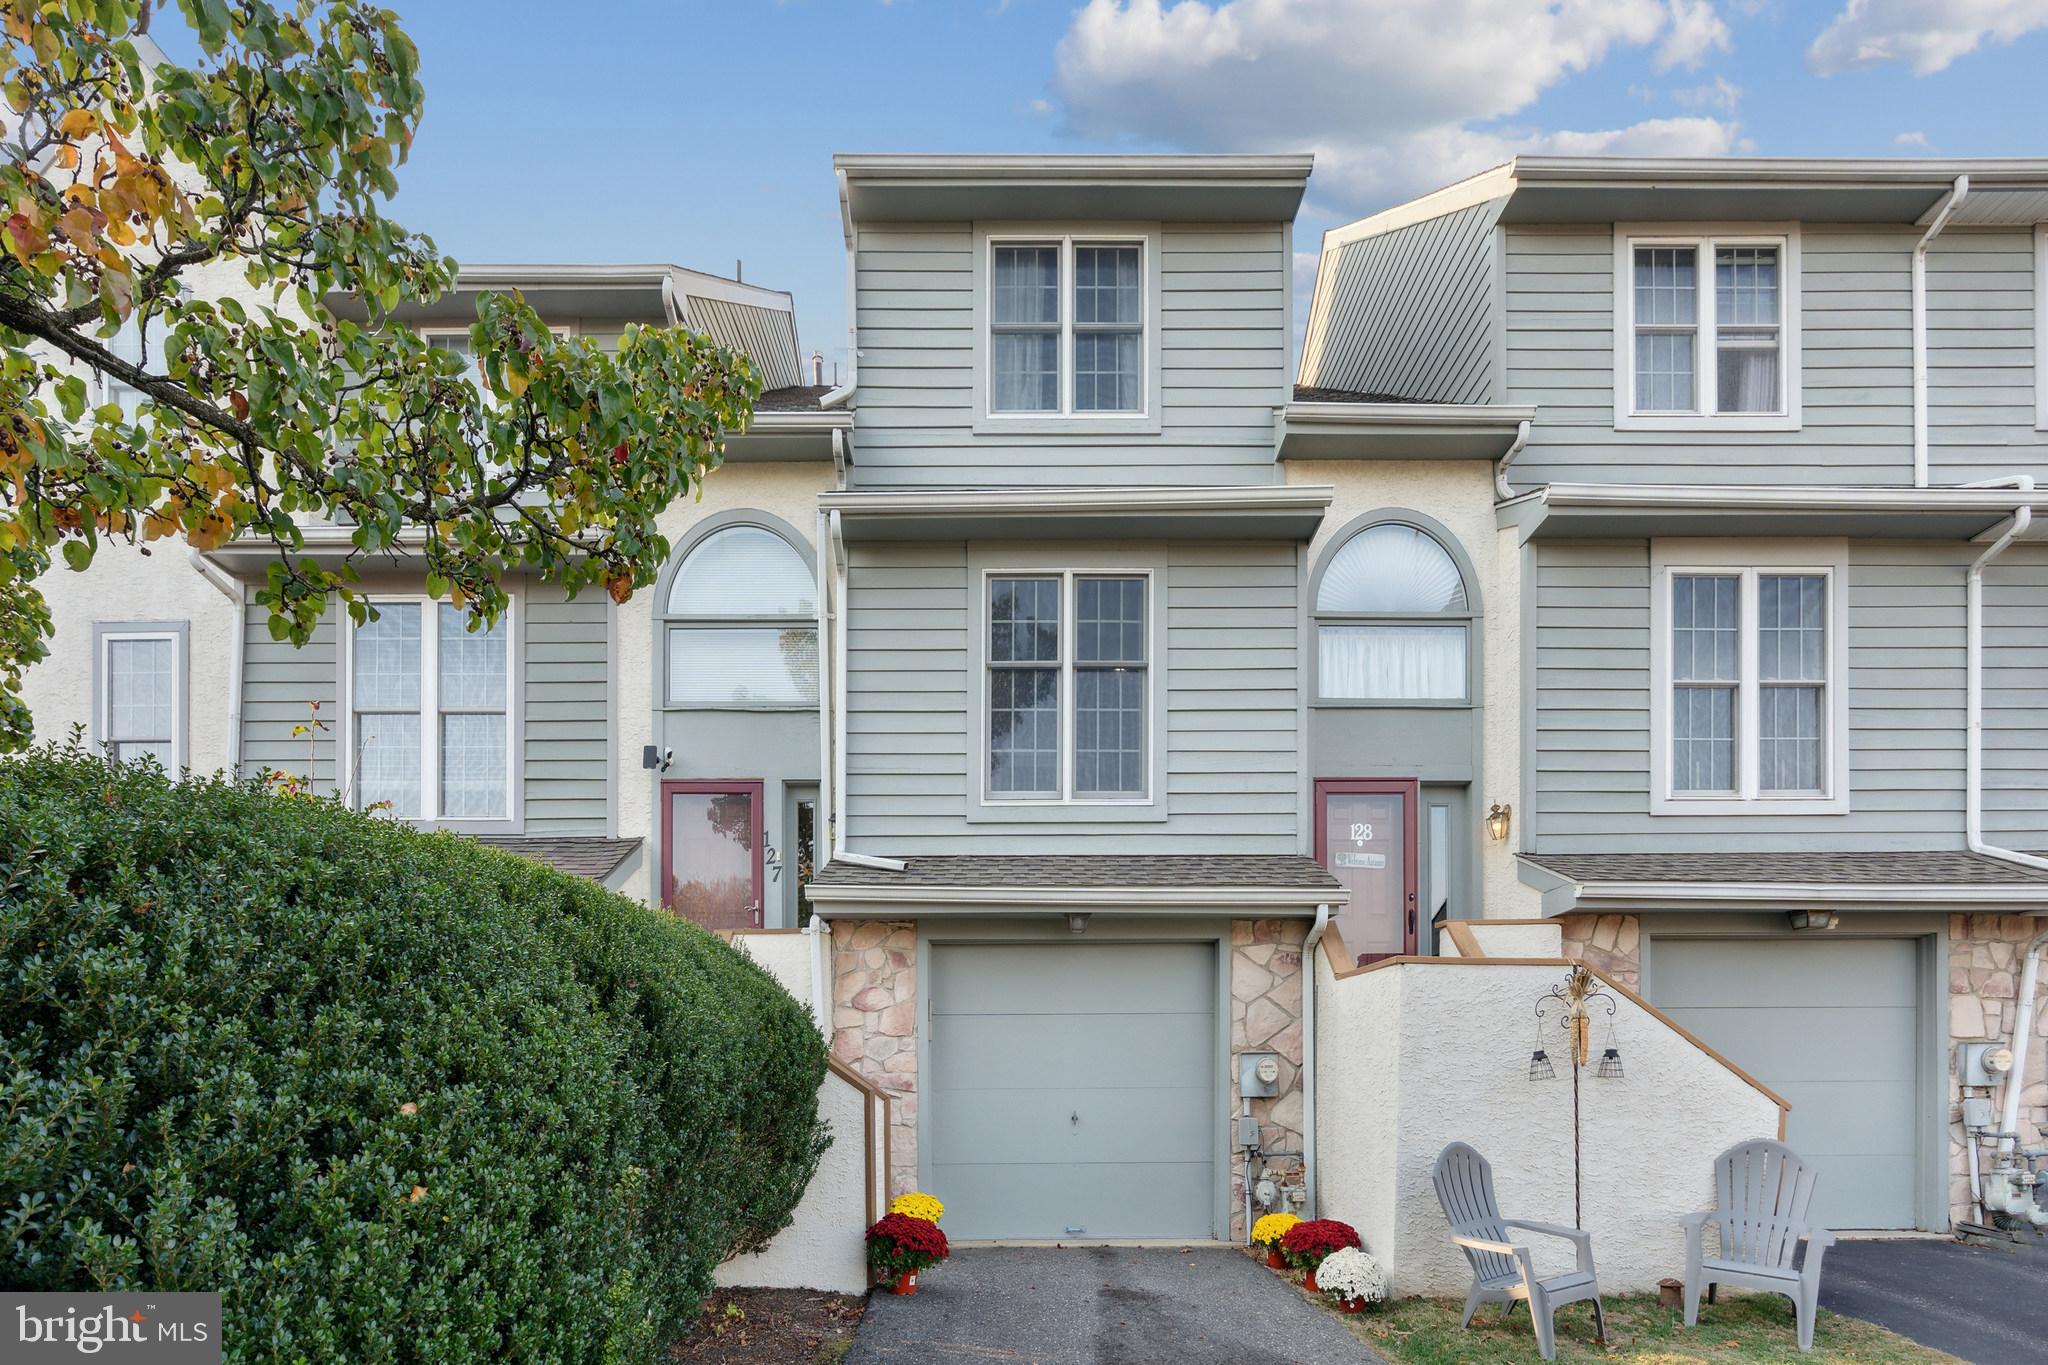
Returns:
(1222,871)
(1316,393)
(1935,868)
(592,857)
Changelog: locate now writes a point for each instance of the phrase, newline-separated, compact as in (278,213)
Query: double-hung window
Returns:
(1066,328)
(429,714)
(1068,686)
(139,673)
(1708,331)
(1749,661)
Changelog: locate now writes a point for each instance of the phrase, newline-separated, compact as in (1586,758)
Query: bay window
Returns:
(430,734)
(1707,330)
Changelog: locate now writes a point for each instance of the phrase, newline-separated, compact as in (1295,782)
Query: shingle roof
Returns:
(595,858)
(795,398)
(1312,393)
(1936,868)
(1110,870)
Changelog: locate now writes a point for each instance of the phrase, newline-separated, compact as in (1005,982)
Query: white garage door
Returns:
(1072,1089)
(1833,1026)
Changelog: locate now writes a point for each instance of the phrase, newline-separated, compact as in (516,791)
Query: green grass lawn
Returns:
(1742,1327)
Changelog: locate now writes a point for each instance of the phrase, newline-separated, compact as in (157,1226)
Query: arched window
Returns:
(742,623)
(1393,619)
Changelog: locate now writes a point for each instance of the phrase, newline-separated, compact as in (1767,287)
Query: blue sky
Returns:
(701,133)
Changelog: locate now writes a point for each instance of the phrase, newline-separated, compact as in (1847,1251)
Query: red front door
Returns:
(1365,835)
(711,840)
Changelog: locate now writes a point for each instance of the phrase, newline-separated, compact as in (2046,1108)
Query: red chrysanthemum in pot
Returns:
(1306,1244)
(899,1247)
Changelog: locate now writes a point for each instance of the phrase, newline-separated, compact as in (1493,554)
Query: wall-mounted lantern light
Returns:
(1808,921)
(1497,821)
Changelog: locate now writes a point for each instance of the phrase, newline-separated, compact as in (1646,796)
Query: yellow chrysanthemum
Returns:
(917,1205)
(1269,1230)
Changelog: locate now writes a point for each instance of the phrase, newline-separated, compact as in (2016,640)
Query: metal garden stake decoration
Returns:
(1572,1002)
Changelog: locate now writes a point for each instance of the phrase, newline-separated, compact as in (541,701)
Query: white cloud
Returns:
(1912,139)
(1696,31)
(1718,93)
(1925,35)
(1393,96)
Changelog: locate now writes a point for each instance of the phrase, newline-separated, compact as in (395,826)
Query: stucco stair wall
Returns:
(1414,1055)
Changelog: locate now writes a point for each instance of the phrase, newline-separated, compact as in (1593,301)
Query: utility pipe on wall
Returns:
(1973,677)
(2022,1034)
(1955,196)
(1308,1058)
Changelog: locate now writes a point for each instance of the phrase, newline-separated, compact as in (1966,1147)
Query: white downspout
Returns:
(1973,674)
(2022,1034)
(839,851)
(845,391)
(828,716)
(1308,1058)
(1955,196)
(1500,470)
(231,589)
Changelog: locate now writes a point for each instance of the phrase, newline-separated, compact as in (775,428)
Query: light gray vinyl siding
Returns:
(278,682)
(1906,705)
(1223,353)
(1230,726)
(566,699)
(1409,313)
(564,656)
(1857,391)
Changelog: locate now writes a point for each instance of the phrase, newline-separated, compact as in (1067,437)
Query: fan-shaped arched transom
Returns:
(741,625)
(1391,568)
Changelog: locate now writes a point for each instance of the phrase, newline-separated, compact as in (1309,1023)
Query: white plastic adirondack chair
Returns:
(1761,1193)
(1503,1271)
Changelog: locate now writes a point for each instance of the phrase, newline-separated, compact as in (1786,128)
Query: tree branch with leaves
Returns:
(126,184)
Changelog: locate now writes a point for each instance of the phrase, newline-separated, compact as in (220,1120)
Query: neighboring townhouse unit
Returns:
(1783,709)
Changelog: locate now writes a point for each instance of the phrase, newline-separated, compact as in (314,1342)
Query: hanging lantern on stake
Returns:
(1573,999)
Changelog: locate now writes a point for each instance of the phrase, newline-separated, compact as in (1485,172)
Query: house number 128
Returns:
(1361,832)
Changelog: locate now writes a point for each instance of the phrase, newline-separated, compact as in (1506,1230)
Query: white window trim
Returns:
(1066,421)
(1746,559)
(1706,237)
(105,632)
(987,805)
(2041,327)
(430,718)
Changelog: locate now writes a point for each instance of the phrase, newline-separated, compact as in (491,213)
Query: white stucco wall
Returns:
(786,490)
(822,1247)
(1455,1038)
(1518,940)
(1459,494)
(121,585)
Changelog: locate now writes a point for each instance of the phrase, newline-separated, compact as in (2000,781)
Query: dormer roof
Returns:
(1022,187)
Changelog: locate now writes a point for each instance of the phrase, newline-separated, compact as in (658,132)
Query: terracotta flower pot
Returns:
(906,1283)
(1310,1283)
(1352,1305)
(1274,1260)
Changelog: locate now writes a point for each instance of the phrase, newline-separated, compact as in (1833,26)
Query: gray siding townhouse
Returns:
(1784,613)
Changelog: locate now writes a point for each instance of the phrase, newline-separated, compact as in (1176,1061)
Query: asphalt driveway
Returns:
(1102,1306)
(1984,1304)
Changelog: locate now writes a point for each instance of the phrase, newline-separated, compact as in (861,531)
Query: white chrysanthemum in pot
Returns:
(1352,1277)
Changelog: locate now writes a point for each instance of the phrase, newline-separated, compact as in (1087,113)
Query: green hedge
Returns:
(398,1096)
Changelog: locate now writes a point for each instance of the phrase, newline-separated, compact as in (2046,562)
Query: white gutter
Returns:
(2022,1034)
(1941,215)
(1973,780)
(1500,469)
(2017,894)
(1308,1058)
(839,851)
(946,502)
(231,589)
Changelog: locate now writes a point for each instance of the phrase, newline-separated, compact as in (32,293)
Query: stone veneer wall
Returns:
(1265,1016)
(1984,958)
(874,1025)
(1609,943)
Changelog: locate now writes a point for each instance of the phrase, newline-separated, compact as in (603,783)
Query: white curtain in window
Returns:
(750,666)
(1390,568)
(140,692)
(743,571)
(1392,663)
